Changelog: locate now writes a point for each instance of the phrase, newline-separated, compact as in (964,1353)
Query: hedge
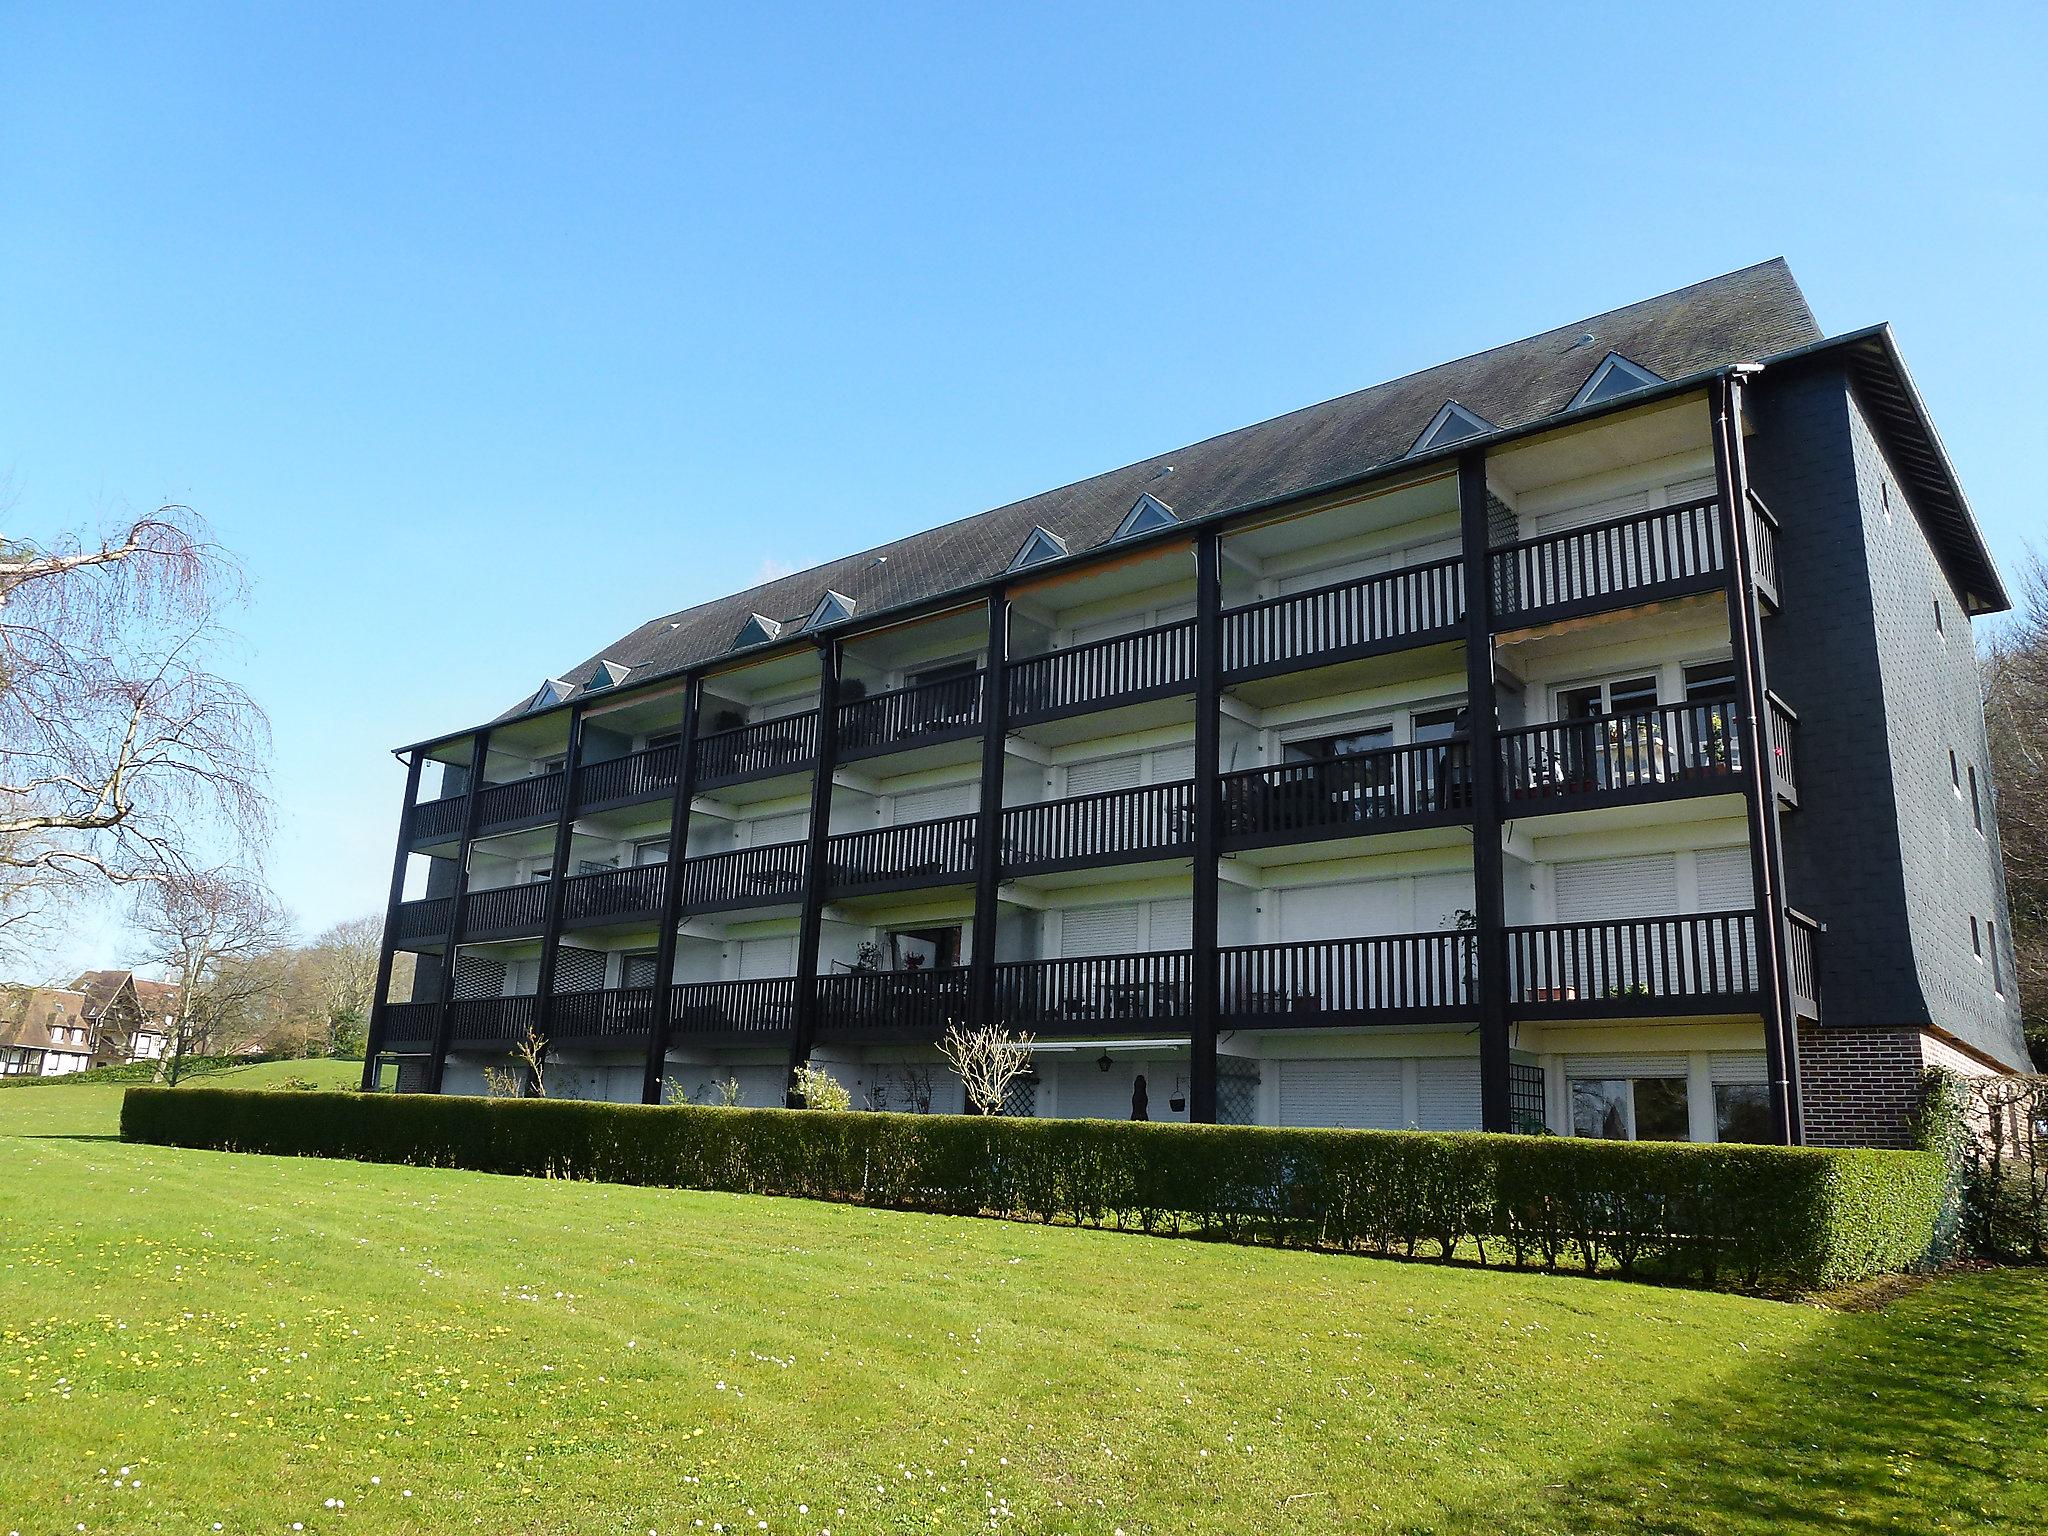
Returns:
(1757,1218)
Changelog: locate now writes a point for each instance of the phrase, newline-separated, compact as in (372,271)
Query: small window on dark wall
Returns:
(1991,943)
(1976,802)
(1939,627)
(1976,939)
(1955,770)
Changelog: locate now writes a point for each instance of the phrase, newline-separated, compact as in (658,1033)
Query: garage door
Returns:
(1357,1095)
(1447,1095)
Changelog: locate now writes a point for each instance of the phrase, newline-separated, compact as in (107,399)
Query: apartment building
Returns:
(1579,736)
(101,1019)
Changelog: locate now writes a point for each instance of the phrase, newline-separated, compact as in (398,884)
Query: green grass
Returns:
(254,1337)
(59,1105)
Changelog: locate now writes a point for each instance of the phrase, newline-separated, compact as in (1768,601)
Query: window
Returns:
(542,873)
(638,968)
(1742,1112)
(1594,701)
(664,739)
(1616,375)
(1884,494)
(1976,804)
(1955,772)
(596,866)
(549,694)
(1709,681)
(1452,424)
(1037,548)
(650,850)
(1429,725)
(1630,1109)
(1991,943)
(1939,627)
(1976,940)
(758,630)
(1147,512)
(833,608)
(1345,744)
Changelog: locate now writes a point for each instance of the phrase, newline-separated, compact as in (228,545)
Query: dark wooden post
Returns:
(458,899)
(1483,753)
(387,944)
(1760,795)
(1208,807)
(558,871)
(988,831)
(672,895)
(816,876)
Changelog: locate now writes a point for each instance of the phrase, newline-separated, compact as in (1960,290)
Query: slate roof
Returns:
(28,1014)
(1744,315)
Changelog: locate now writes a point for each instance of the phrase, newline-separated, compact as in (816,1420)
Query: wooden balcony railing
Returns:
(1102,673)
(764,1007)
(916,852)
(921,1002)
(417,920)
(616,1013)
(614,894)
(506,909)
(1763,547)
(1418,605)
(533,799)
(1103,992)
(410,1024)
(490,1018)
(905,717)
(1784,748)
(1396,978)
(1155,819)
(768,875)
(1690,746)
(1633,965)
(621,780)
(1802,945)
(764,748)
(1341,796)
(1639,558)
(435,820)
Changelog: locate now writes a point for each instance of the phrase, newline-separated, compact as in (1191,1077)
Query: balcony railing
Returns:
(615,894)
(417,920)
(1415,606)
(1634,965)
(1156,819)
(490,1018)
(915,853)
(617,1013)
(435,820)
(1398,978)
(1802,945)
(1104,992)
(764,1007)
(1784,748)
(1763,547)
(621,780)
(760,750)
(1639,558)
(764,876)
(1122,669)
(1343,796)
(920,1003)
(1676,747)
(507,909)
(538,798)
(410,1024)
(908,717)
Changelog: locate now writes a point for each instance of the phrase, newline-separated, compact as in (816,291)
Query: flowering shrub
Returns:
(1753,1217)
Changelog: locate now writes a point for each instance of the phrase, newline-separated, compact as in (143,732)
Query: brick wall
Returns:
(1860,1087)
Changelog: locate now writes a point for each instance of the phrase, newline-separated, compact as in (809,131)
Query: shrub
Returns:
(1992,1131)
(1761,1218)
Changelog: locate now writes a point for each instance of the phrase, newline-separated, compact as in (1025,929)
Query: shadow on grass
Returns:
(62,1136)
(1928,1414)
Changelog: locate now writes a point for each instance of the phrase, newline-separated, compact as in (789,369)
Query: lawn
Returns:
(196,1337)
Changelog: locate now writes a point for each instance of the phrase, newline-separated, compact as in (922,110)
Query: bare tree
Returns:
(988,1058)
(2016,714)
(345,961)
(122,751)
(207,927)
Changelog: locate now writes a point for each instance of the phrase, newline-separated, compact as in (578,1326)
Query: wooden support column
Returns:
(1760,795)
(1208,811)
(811,926)
(387,944)
(988,839)
(1489,938)
(672,894)
(438,1061)
(558,871)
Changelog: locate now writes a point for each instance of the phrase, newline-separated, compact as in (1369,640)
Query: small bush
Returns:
(1759,1218)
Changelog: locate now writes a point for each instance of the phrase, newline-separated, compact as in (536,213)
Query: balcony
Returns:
(1121,993)
(1666,753)
(509,911)
(1784,749)
(437,821)
(763,750)
(922,715)
(625,780)
(490,1020)
(410,1025)
(615,895)
(1703,962)
(771,875)
(1147,664)
(1410,978)
(893,1005)
(1389,789)
(1157,821)
(522,802)
(1346,621)
(760,1010)
(1802,943)
(416,921)
(901,858)
(620,1014)
(1646,557)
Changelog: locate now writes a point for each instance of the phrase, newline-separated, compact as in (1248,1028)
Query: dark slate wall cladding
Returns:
(1843,864)
(1932,683)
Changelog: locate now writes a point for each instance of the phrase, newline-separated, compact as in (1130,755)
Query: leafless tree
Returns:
(207,927)
(345,960)
(123,752)
(2016,712)
(988,1058)
(526,1075)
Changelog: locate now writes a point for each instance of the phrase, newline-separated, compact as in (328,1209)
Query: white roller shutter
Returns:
(1594,512)
(1088,1093)
(764,959)
(1725,881)
(930,804)
(1358,1095)
(1172,764)
(1438,901)
(778,829)
(1342,911)
(1101,775)
(1679,492)
(1099,931)
(1625,1066)
(1738,1067)
(1173,923)
(1603,890)
(1447,1095)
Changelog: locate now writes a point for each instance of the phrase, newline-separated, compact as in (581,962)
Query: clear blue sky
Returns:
(483,337)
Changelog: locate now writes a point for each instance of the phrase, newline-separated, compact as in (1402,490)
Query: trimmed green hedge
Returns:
(1755,1217)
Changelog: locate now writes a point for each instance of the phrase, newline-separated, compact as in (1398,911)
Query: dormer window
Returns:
(833,608)
(758,630)
(606,674)
(1147,513)
(1452,424)
(551,693)
(1616,375)
(1038,549)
